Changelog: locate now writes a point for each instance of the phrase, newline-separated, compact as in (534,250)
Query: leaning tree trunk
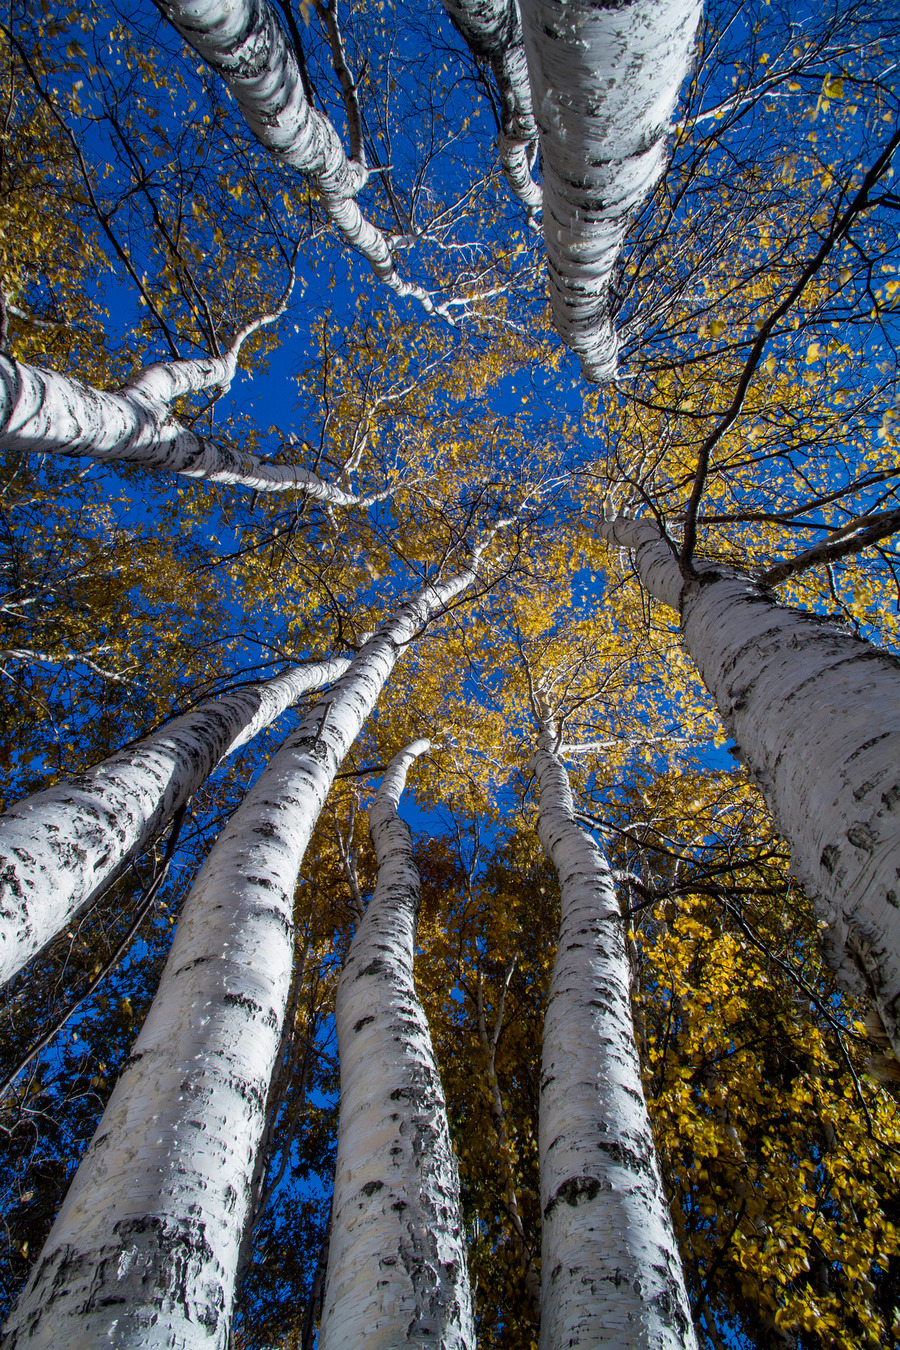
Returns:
(61,847)
(604,80)
(144,1250)
(611,1271)
(244,42)
(493,32)
(397,1259)
(816,717)
(45,412)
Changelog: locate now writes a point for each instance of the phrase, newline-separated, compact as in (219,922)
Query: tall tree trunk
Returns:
(816,717)
(144,1250)
(243,41)
(604,80)
(611,1271)
(397,1261)
(493,32)
(59,848)
(45,412)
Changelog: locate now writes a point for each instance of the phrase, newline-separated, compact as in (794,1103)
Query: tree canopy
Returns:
(305,332)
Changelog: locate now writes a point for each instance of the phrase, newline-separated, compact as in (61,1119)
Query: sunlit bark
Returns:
(397,1261)
(145,1248)
(611,1271)
(59,848)
(604,81)
(493,31)
(243,42)
(46,412)
(816,717)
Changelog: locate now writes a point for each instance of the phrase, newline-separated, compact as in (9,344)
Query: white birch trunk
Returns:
(492,29)
(816,717)
(604,80)
(144,1250)
(244,43)
(45,412)
(611,1271)
(397,1260)
(61,846)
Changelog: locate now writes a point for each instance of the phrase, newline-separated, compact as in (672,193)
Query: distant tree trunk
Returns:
(145,1248)
(493,32)
(397,1259)
(59,848)
(816,717)
(604,81)
(244,42)
(611,1270)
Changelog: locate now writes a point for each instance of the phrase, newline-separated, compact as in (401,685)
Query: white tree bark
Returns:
(43,411)
(397,1260)
(492,29)
(611,1271)
(816,717)
(61,846)
(604,80)
(144,1250)
(243,42)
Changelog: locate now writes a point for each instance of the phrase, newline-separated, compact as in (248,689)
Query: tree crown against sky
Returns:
(753,418)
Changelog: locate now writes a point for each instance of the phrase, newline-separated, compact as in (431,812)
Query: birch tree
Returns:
(754,1064)
(610,1268)
(248,48)
(61,847)
(44,411)
(815,714)
(186,1116)
(493,32)
(397,1260)
(604,84)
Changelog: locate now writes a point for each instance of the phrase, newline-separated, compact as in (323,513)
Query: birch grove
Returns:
(541,1089)
(187,1113)
(62,846)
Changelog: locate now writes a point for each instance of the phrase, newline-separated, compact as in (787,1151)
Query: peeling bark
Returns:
(815,713)
(59,848)
(492,30)
(611,1271)
(604,79)
(397,1262)
(145,1248)
(45,412)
